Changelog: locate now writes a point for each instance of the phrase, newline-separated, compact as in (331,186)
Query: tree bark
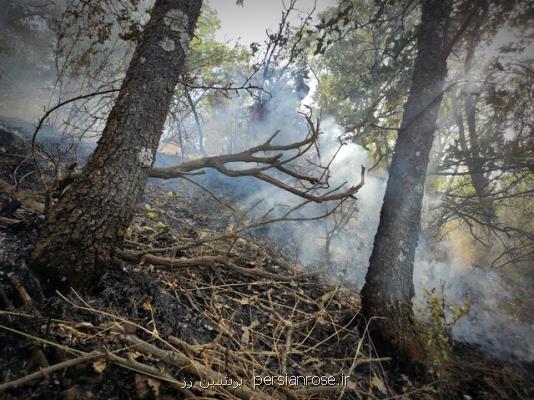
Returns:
(91,215)
(388,289)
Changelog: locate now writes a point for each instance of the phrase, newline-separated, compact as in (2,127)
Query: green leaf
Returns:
(151,214)
(161,227)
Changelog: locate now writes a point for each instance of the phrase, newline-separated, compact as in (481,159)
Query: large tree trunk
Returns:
(90,218)
(388,289)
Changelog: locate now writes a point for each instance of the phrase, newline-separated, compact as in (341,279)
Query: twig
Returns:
(8,222)
(63,103)
(149,371)
(190,366)
(23,294)
(44,372)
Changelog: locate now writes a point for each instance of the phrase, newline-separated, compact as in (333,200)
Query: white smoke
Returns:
(489,324)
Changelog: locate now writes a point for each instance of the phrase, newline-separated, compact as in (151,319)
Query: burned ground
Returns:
(186,299)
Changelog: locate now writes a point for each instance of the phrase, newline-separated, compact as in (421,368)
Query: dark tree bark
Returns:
(389,289)
(91,215)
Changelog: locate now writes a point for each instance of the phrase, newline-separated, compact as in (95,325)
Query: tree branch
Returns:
(265,162)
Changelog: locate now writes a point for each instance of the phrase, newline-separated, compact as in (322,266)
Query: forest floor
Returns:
(189,310)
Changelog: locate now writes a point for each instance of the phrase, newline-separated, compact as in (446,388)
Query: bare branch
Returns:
(265,162)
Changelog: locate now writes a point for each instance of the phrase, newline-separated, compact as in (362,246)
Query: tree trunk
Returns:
(89,219)
(200,132)
(388,289)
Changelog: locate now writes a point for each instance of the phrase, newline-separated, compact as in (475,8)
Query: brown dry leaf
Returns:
(218,305)
(225,327)
(155,386)
(99,366)
(377,383)
(351,385)
(141,386)
(133,355)
(71,393)
(70,330)
(309,360)
(146,305)
(245,337)
(84,325)
(128,327)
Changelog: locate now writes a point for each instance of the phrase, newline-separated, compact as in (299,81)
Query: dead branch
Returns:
(149,371)
(8,222)
(134,255)
(23,196)
(44,372)
(21,290)
(123,362)
(266,162)
(63,103)
(190,366)
(210,261)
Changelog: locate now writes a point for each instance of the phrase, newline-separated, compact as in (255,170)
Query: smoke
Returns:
(491,323)
(53,50)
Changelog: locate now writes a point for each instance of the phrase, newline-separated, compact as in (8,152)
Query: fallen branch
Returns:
(123,362)
(44,372)
(149,371)
(8,222)
(211,261)
(190,366)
